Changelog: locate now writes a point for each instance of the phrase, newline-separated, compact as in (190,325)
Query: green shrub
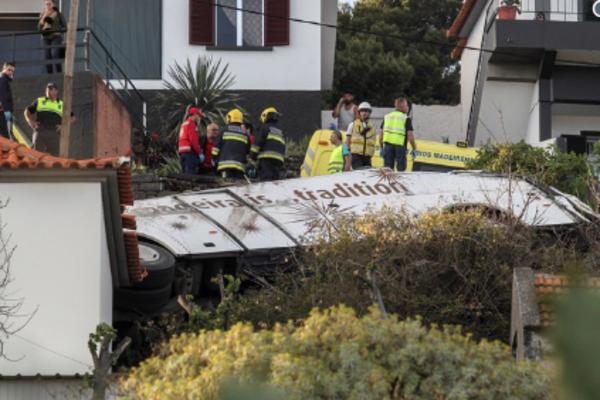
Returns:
(568,172)
(336,355)
(448,268)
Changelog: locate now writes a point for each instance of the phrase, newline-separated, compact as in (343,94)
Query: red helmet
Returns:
(195,111)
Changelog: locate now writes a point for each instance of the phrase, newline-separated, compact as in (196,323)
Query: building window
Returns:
(237,28)
(222,23)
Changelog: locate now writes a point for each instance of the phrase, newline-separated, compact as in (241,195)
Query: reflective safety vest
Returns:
(363,145)
(336,161)
(270,143)
(44,104)
(394,128)
(231,151)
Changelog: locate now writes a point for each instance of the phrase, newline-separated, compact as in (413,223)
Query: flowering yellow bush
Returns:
(336,355)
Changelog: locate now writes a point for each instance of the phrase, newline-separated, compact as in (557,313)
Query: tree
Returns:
(206,85)
(408,54)
(334,354)
(10,307)
(99,345)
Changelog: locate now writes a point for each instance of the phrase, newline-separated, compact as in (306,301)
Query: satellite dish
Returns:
(596,8)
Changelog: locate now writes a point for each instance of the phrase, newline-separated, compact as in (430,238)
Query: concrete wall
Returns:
(103,125)
(27,89)
(21,6)
(435,123)
(504,114)
(112,125)
(301,109)
(329,12)
(574,124)
(469,63)
(60,267)
(533,126)
(297,67)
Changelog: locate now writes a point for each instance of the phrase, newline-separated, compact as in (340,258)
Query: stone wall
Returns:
(147,186)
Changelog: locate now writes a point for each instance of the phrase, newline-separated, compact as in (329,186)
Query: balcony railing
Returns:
(27,51)
(557,10)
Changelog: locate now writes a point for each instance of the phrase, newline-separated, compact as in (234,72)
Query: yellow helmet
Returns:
(235,116)
(264,116)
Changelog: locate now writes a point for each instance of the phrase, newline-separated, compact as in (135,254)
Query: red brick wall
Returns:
(112,123)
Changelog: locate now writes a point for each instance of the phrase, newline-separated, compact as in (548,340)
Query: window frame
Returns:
(239,28)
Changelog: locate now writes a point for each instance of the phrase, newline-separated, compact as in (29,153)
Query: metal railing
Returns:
(28,52)
(557,10)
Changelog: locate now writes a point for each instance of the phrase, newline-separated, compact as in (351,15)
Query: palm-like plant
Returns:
(207,85)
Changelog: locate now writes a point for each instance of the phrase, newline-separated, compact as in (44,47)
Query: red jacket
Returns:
(207,164)
(188,138)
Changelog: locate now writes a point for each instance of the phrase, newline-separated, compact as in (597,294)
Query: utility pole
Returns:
(65,134)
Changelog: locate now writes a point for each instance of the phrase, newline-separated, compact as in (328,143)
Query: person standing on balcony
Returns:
(52,24)
(6,99)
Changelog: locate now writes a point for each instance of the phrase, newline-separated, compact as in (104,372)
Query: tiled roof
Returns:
(16,156)
(461,18)
(457,25)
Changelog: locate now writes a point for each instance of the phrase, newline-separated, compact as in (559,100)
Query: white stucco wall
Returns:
(469,62)
(533,126)
(21,6)
(504,112)
(60,266)
(329,10)
(430,122)
(294,67)
(574,124)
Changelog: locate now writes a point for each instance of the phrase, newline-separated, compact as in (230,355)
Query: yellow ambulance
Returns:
(431,156)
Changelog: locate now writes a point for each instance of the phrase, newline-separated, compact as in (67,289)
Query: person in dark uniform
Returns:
(44,116)
(231,150)
(269,147)
(6,99)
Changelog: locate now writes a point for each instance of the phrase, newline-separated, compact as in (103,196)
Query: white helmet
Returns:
(364,106)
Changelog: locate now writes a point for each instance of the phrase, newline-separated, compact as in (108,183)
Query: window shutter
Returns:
(202,22)
(277,24)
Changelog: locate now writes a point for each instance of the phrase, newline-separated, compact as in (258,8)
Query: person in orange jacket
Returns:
(190,153)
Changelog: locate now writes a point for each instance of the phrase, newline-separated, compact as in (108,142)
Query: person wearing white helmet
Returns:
(361,137)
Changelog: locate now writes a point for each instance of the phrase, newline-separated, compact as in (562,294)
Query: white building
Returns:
(67,252)
(275,60)
(538,78)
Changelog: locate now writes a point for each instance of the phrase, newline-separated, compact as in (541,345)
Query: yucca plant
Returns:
(206,85)
(171,166)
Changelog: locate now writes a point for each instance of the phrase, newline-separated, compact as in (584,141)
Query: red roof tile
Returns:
(548,287)
(461,18)
(16,156)
(457,25)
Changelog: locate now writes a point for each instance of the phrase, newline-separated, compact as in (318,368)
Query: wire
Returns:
(52,351)
(389,36)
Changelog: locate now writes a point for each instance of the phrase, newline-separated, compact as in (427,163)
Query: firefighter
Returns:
(269,147)
(340,156)
(190,152)
(233,147)
(361,137)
